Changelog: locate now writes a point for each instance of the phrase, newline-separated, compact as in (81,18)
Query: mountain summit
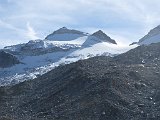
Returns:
(64,30)
(102,36)
(65,34)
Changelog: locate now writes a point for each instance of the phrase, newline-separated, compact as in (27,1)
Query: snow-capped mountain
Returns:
(153,36)
(102,36)
(63,46)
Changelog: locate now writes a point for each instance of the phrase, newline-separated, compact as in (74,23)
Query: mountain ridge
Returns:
(40,56)
(153,36)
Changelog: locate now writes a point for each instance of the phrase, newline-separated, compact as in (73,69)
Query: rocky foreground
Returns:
(125,87)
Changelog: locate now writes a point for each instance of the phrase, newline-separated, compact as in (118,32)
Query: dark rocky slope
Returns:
(7,59)
(100,88)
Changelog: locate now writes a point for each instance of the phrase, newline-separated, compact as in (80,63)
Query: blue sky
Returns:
(123,20)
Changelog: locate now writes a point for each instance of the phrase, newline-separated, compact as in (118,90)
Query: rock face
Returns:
(102,36)
(99,88)
(7,59)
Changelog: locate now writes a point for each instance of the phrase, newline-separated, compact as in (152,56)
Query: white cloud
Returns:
(31,34)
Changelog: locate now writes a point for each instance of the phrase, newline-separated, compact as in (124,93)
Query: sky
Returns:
(123,20)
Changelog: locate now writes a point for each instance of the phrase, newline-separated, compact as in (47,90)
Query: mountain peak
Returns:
(101,35)
(65,31)
(100,31)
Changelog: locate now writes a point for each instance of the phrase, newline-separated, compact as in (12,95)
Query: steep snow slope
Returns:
(40,56)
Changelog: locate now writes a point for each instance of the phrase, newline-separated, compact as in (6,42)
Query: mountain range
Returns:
(63,46)
(72,75)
